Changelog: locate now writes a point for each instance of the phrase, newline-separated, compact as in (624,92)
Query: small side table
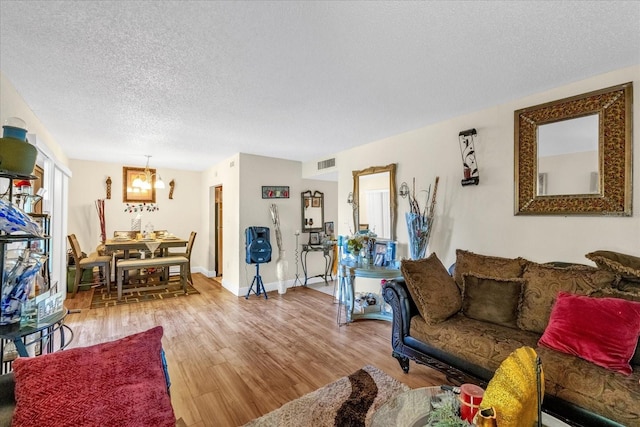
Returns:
(51,332)
(327,251)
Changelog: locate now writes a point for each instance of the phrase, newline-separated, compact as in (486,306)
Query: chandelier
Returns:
(143,181)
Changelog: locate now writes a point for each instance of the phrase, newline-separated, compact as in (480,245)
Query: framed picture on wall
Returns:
(314,238)
(315,202)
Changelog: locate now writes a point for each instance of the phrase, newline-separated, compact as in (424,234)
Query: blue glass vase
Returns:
(417,227)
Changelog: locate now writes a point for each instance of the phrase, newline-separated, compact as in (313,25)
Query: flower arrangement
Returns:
(420,221)
(357,241)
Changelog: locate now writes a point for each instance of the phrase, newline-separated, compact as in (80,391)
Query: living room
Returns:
(476,218)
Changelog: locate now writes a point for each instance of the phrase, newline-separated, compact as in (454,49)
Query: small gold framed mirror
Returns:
(573,156)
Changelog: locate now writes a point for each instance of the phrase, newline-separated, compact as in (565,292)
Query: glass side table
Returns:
(47,336)
(412,408)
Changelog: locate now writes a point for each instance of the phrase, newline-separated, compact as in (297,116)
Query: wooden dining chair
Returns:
(88,262)
(187,254)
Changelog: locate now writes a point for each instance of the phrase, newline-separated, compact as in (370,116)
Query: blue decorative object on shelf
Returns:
(13,219)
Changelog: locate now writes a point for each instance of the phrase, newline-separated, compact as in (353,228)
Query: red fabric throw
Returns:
(603,331)
(119,383)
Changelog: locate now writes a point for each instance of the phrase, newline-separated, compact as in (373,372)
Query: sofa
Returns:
(117,383)
(582,321)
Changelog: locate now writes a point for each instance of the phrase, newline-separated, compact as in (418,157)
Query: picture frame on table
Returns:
(379,254)
(314,238)
(378,260)
(329,228)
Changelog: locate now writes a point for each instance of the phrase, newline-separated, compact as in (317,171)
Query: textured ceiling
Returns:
(193,82)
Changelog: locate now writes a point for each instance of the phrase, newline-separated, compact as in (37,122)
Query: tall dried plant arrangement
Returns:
(420,221)
(103,226)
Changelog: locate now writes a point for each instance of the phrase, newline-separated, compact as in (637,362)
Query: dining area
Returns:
(137,261)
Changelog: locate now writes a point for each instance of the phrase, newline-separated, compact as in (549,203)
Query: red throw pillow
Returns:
(118,383)
(601,330)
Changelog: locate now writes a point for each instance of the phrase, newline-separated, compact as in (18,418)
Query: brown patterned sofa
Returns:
(466,323)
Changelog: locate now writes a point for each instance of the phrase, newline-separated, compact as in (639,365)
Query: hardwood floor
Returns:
(231,360)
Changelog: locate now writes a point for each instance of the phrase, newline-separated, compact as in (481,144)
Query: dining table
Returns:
(156,246)
(127,244)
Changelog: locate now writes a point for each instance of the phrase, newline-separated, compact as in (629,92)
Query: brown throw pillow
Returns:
(492,300)
(432,288)
(488,266)
(627,266)
(543,284)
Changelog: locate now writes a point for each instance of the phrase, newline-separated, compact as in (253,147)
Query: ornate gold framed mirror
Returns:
(374,200)
(573,156)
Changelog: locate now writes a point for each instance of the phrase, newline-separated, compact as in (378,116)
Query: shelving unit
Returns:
(42,334)
(347,279)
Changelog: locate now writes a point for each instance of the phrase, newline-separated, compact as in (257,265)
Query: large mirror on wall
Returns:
(573,156)
(312,211)
(374,200)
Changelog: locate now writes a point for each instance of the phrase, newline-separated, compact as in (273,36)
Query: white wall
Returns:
(180,216)
(569,173)
(478,218)
(12,105)
(242,178)
(481,218)
(56,173)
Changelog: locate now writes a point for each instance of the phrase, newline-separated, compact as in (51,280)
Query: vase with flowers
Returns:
(420,221)
(360,246)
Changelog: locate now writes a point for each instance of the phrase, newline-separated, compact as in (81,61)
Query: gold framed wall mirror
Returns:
(131,194)
(374,200)
(573,156)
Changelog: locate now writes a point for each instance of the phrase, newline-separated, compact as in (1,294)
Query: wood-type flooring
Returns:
(231,360)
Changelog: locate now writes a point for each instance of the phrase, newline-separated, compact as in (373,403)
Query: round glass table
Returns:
(412,408)
(409,409)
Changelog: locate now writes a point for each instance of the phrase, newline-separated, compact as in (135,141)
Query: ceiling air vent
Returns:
(324,164)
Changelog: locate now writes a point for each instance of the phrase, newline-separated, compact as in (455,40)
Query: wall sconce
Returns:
(404,190)
(350,198)
(468,152)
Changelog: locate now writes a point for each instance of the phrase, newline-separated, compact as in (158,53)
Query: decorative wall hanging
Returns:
(172,186)
(149,207)
(108,182)
(468,152)
(275,192)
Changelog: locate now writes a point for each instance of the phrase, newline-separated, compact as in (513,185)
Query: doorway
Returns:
(217,226)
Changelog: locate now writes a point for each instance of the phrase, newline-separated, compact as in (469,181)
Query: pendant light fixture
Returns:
(143,182)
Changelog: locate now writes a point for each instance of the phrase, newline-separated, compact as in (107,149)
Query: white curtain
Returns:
(379,212)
